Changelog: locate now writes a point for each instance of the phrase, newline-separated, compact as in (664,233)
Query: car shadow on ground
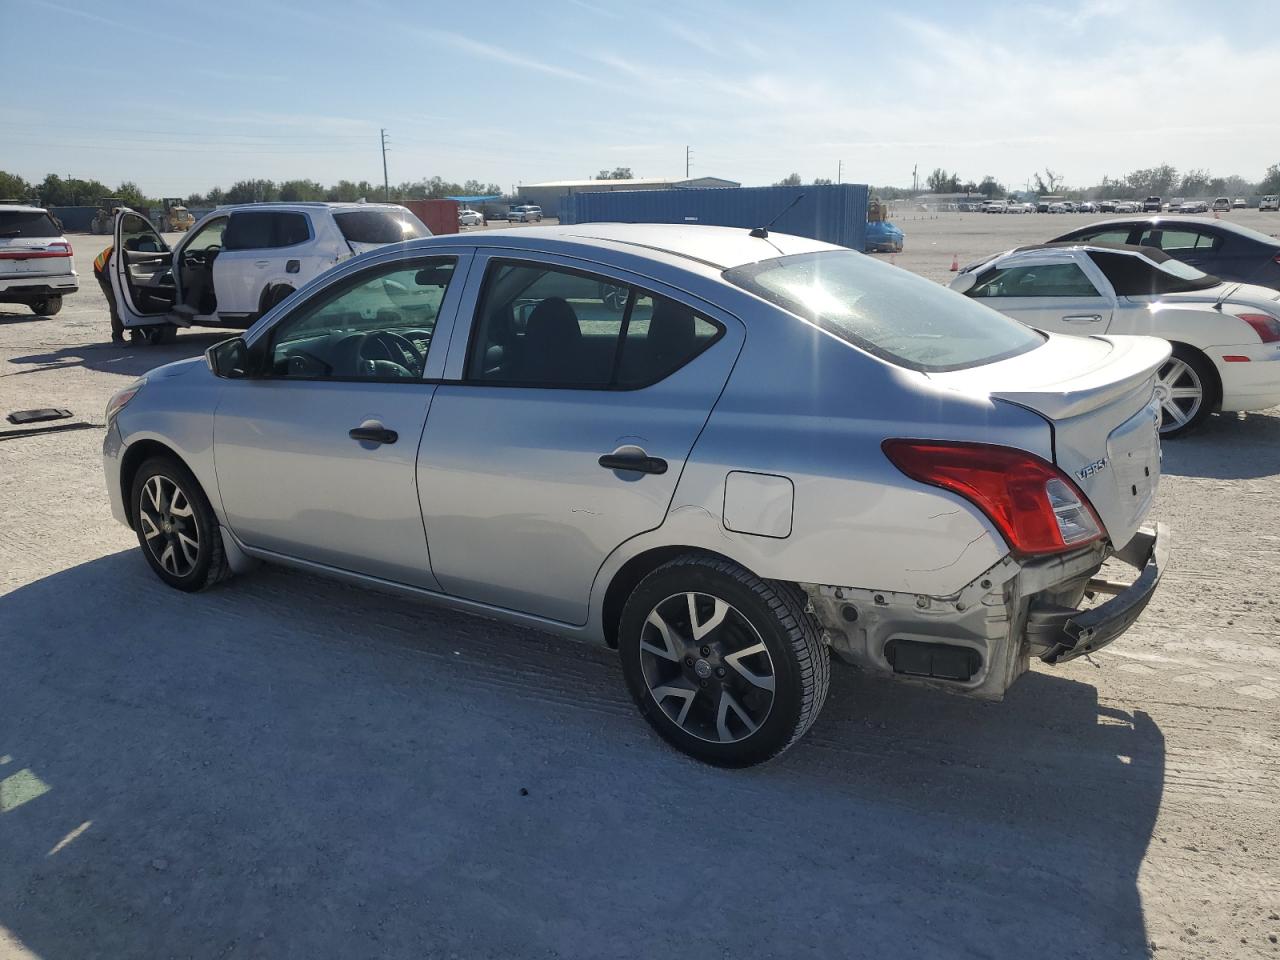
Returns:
(288,767)
(1227,446)
(127,359)
(18,315)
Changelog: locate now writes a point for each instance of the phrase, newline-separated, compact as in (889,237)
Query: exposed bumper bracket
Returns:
(1064,633)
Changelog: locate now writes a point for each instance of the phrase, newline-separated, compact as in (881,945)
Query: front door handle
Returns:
(639,462)
(373,434)
(262,263)
(1083,318)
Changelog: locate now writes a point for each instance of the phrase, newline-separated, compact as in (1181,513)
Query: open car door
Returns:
(141,270)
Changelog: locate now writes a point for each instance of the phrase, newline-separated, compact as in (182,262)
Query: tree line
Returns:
(56,191)
(1159,181)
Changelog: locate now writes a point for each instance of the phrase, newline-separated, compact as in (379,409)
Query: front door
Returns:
(1054,295)
(141,270)
(580,400)
(316,453)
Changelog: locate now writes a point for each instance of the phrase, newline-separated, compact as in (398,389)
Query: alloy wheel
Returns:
(168,525)
(1181,393)
(707,667)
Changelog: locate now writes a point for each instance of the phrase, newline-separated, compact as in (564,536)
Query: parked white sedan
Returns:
(1225,336)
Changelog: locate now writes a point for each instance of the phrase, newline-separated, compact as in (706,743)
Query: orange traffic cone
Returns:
(955,262)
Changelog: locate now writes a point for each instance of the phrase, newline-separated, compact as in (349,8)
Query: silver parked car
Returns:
(727,454)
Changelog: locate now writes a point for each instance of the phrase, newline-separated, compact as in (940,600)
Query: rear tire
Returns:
(1191,390)
(46,306)
(725,666)
(273,295)
(177,529)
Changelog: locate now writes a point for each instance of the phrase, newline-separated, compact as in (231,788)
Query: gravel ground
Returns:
(284,767)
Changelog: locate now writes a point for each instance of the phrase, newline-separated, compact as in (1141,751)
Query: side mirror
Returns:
(964,282)
(230,359)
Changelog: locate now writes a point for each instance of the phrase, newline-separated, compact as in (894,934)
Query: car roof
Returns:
(719,247)
(1225,226)
(308,205)
(21,208)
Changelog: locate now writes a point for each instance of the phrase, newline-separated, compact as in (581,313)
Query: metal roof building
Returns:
(550,196)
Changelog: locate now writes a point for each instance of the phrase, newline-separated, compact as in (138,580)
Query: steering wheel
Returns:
(402,345)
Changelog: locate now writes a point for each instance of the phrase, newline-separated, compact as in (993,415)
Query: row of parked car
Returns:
(1149,205)
(664,439)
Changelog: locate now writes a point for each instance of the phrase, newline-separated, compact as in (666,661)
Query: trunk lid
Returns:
(1098,395)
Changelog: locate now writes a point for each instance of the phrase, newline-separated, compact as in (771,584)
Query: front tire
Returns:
(176,526)
(725,666)
(1189,390)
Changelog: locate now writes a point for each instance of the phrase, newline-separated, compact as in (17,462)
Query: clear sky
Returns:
(183,95)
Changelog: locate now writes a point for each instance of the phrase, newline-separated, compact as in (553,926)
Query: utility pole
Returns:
(915,179)
(386,183)
(839,171)
(688,161)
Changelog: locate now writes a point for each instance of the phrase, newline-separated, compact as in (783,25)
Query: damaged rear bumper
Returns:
(1058,634)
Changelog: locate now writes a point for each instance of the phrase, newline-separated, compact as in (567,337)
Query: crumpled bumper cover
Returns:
(1065,633)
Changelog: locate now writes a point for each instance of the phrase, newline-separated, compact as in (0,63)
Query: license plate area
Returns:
(1134,451)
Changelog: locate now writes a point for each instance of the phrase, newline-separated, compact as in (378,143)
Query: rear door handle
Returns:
(262,263)
(373,434)
(1083,318)
(639,462)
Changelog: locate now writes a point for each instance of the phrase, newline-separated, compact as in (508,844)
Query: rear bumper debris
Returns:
(1058,634)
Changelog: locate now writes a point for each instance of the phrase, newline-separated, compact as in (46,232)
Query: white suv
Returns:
(36,266)
(1269,202)
(525,213)
(238,262)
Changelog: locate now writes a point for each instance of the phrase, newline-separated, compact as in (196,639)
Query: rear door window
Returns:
(265,230)
(540,325)
(24,224)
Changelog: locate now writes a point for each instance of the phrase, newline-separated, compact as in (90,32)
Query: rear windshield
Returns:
(886,310)
(380,226)
(1134,276)
(25,223)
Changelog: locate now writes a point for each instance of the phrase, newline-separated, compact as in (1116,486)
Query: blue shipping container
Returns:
(835,213)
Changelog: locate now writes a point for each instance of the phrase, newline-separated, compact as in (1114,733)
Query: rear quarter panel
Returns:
(806,406)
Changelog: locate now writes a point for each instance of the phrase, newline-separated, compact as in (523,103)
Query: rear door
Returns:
(259,246)
(563,427)
(1052,291)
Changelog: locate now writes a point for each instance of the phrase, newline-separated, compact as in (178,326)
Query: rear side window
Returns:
(1179,241)
(380,226)
(1035,280)
(1134,276)
(887,311)
(1119,235)
(22,224)
(544,326)
(265,229)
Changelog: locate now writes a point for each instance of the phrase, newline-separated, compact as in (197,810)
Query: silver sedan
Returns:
(728,454)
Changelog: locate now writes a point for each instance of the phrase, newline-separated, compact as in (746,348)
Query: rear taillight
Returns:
(1265,326)
(63,246)
(1033,504)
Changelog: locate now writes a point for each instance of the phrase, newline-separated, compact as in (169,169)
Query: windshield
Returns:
(380,226)
(886,310)
(27,224)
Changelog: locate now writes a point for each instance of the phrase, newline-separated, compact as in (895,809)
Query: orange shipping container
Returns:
(440,216)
